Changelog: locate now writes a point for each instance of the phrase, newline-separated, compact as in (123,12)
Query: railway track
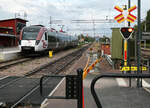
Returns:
(13,63)
(8,64)
(26,88)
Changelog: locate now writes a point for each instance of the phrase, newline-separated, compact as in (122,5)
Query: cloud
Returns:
(39,11)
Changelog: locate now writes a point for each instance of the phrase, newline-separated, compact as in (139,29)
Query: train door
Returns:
(45,41)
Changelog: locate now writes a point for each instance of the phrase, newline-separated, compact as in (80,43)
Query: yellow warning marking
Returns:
(50,54)
(87,64)
(90,68)
(132,68)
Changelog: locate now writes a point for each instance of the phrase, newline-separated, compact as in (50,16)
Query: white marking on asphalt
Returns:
(121,82)
(44,102)
(147,89)
(146,84)
(3,77)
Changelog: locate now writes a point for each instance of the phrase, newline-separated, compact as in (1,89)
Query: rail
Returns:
(97,101)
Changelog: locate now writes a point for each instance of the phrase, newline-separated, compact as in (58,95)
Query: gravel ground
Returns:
(23,68)
(80,63)
(105,67)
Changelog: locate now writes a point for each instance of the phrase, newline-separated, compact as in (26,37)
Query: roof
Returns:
(7,35)
(14,19)
(38,25)
(6,28)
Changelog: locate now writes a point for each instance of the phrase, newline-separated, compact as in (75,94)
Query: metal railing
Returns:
(74,87)
(108,58)
(97,100)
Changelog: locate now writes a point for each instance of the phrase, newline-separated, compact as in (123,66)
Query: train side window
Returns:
(52,38)
(45,36)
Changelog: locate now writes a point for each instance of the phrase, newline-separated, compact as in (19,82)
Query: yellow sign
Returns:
(132,68)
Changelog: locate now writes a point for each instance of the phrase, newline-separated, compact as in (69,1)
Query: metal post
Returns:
(80,98)
(138,42)
(125,44)
(128,49)
(50,22)
(125,52)
(129,5)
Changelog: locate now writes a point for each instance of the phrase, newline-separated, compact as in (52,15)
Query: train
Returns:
(37,38)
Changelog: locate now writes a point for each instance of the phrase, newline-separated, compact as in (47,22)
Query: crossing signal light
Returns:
(126,32)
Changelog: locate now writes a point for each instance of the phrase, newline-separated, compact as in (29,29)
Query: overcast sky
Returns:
(39,12)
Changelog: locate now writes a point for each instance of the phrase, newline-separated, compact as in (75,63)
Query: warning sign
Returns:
(132,68)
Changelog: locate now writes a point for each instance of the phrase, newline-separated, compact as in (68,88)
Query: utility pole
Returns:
(138,43)
(128,49)
(50,22)
(129,5)
(145,25)
(94,28)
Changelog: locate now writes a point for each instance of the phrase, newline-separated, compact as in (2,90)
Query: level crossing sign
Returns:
(121,18)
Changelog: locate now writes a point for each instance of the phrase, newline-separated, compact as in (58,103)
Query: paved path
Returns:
(115,93)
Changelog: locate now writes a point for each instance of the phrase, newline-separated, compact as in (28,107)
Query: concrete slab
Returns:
(113,95)
(9,54)
(59,103)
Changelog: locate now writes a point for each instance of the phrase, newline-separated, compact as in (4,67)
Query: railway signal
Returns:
(126,32)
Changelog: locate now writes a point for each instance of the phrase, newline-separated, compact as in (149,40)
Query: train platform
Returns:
(7,54)
(115,93)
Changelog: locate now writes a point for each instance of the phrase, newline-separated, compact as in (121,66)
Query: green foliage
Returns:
(145,24)
(104,39)
(148,21)
(85,38)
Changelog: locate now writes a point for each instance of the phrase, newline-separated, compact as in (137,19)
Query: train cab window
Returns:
(45,36)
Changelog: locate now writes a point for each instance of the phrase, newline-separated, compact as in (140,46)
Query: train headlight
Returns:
(37,42)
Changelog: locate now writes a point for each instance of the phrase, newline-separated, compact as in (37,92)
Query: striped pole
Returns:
(125,52)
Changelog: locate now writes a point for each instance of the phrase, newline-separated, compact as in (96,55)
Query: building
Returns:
(105,48)
(10,31)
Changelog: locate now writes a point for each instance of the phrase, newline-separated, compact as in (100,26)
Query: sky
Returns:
(39,12)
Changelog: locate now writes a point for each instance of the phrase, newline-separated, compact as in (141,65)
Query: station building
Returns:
(10,31)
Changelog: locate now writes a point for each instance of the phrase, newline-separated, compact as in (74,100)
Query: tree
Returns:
(148,21)
(145,24)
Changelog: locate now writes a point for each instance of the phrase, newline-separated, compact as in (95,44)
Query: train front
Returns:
(28,39)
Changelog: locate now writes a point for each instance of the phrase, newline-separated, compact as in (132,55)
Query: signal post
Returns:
(126,34)
(125,31)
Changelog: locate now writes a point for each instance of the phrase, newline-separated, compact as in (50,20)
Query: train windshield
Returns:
(30,33)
